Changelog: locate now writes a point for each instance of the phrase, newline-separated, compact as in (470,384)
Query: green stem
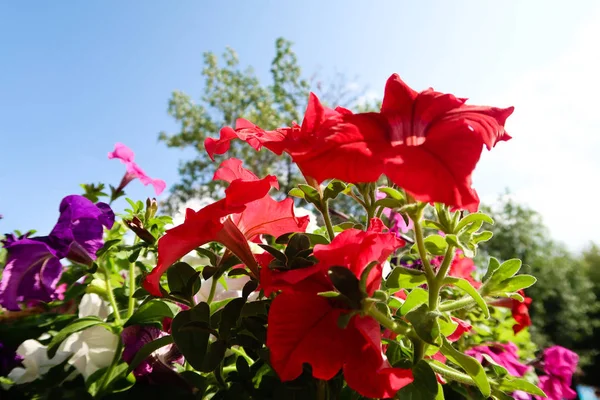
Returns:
(457,304)
(213,287)
(421,247)
(448,257)
(240,352)
(321,390)
(131,303)
(385,321)
(111,296)
(436,284)
(229,368)
(418,350)
(327,218)
(452,374)
(110,369)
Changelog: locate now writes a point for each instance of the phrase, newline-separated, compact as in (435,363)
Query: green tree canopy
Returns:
(229,93)
(564,310)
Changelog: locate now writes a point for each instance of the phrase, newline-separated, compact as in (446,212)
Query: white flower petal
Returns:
(93,305)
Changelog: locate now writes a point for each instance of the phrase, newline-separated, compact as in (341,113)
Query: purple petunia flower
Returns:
(158,366)
(78,232)
(8,359)
(33,266)
(31,272)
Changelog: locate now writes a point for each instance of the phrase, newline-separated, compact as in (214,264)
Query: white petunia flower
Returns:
(93,348)
(35,362)
(92,305)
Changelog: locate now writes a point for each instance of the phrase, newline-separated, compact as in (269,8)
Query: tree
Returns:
(564,309)
(231,93)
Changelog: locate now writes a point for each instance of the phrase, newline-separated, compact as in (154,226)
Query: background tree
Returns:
(231,92)
(564,310)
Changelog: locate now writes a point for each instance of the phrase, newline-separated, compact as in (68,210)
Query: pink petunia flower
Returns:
(126,155)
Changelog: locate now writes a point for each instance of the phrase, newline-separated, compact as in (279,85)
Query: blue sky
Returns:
(76,77)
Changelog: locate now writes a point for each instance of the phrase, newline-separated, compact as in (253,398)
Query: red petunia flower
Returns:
(303,326)
(352,248)
(246,212)
(427,143)
(520,310)
(463,267)
(462,328)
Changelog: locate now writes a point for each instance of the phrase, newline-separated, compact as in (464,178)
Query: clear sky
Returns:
(76,77)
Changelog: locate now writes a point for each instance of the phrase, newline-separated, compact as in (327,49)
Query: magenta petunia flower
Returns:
(555,389)
(33,266)
(397,222)
(127,156)
(503,354)
(560,365)
(560,362)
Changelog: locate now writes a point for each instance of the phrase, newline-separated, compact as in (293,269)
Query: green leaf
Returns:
(274,252)
(389,203)
(152,311)
(453,240)
(447,326)
(347,283)
(296,192)
(469,364)
(424,386)
(214,356)
(364,276)
(498,369)
(178,276)
(134,255)
(316,239)
(107,246)
(435,244)
(425,324)
(196,380)
(405,278)
(79,325)
(516,283)
(464,285)
(433,225)
(482,237)
(216,305)
(475,217)
(212,257)
(506,270)
(333,189)
(330,294)
(192,343)
(229,317)
(415,298)
(148,349)
(493,265)
(391,192)
(510,384)
(310,194)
